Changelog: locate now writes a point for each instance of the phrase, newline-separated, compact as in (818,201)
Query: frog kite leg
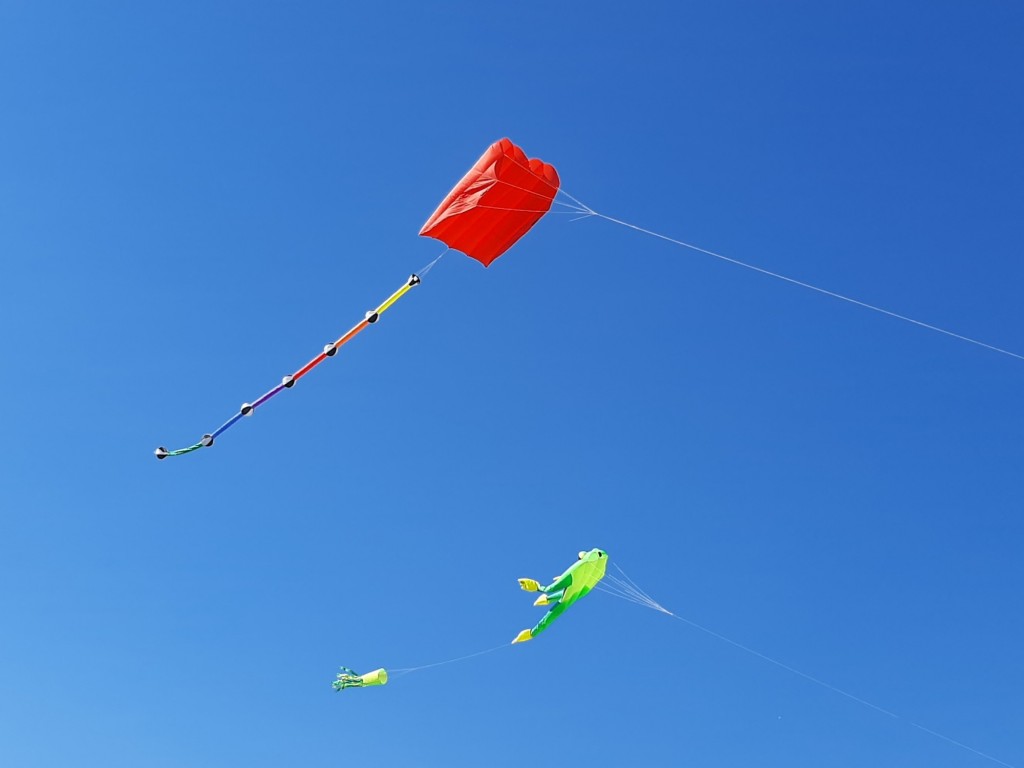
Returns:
(578,579)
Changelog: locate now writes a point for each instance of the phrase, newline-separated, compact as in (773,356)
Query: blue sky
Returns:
(194,199)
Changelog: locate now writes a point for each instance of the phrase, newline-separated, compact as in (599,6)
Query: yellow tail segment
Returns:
(377,677)
(413,281)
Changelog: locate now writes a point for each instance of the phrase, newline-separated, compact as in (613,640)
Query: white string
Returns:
(572,206)
(533,173)
(624,596)
(634,584)
(409,670)
(645,600)
(430,266)
(528,210)
(629,591)
(524,189)
(587,212)
(582,206)
(802,284)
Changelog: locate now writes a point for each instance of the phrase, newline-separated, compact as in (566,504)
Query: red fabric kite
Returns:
(495,204)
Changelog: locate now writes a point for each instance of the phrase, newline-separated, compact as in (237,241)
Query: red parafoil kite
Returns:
(495,204)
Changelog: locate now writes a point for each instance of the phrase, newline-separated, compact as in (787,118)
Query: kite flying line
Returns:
(397,672)
(349,678)
(625,588)
(586,211)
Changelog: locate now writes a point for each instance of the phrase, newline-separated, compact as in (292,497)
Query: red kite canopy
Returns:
(495,204)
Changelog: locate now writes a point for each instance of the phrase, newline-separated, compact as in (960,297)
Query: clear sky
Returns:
(196,196)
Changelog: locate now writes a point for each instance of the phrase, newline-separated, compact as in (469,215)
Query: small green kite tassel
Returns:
(349,678)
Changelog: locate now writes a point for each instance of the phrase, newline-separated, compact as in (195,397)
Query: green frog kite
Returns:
(578,579)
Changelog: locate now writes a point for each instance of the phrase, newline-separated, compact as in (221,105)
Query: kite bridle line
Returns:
(627,589)
(247,409)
